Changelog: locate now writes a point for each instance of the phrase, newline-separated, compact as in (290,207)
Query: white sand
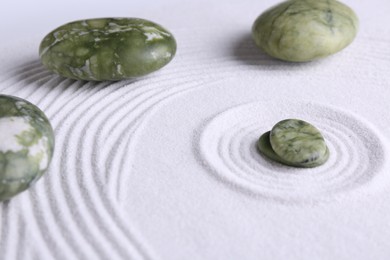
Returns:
(165,167)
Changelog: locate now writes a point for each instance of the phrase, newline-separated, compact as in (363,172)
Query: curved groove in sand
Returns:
(85,115)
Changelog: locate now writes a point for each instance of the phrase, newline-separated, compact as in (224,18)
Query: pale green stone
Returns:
(265,148)
(305,30)
(107,49)
(298,143)
(26,145)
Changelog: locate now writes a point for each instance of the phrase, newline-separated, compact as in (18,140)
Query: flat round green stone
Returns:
(26,145)
(265,148)
(298,143)
(107,49)
(305,30)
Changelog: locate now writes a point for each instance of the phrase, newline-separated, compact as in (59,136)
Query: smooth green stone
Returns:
(305,30)
(265,148)
(26,145)
(107,49)
(298,143)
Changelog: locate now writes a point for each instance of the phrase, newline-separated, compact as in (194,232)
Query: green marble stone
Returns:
(305,30)
(265,148)
(26,145)
(107,49)
(298,143)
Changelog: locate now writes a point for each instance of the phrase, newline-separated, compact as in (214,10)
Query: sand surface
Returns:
(166,166)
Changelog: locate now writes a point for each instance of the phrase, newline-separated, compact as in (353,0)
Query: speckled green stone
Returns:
(107,49)
(305,30)
(265,148)
(298,143)
(26,145)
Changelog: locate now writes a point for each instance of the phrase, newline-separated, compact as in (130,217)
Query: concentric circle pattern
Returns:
(357,156)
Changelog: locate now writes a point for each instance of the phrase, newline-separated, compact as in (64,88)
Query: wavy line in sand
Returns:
(71,118)
(55,195)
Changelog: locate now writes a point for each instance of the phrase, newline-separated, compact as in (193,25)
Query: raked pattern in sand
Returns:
(209,105)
